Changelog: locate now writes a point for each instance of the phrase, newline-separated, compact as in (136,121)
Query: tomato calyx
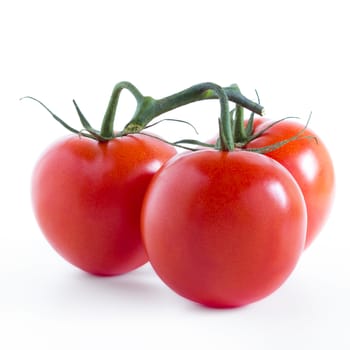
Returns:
(87,131)
(243,133)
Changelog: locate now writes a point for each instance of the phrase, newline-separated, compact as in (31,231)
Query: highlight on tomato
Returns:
(309,162)
(224,227)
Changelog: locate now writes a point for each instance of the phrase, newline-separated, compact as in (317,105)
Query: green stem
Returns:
(107,128)
(225,120)
(239,130)
(149,108)
(201,92)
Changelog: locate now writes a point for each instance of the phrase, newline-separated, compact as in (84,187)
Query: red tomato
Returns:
(223,228)
(87,198)
(310,164)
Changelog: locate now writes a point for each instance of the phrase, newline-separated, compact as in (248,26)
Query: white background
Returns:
(294,53)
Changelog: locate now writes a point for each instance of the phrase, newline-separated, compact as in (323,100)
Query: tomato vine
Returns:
(148,108)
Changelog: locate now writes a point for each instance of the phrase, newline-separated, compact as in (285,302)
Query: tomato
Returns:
(309,161)
(87,197)
(223,229)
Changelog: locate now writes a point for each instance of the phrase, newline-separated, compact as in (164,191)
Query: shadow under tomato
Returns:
(138,282)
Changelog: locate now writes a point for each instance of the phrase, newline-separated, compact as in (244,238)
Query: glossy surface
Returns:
(308,160)
(87,199)
(223,228)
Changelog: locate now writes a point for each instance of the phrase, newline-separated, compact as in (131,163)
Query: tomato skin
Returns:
(223,229)
(310,164)
(87,198)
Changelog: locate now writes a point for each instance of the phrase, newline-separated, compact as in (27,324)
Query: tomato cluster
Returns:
(223,226)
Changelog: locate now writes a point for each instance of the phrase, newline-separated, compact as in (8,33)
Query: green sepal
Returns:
(270,148)
(63,123)
(95,133)
(171,120)
(255,136)
(250,125)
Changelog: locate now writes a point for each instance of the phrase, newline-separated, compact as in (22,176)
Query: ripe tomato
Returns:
(308,160)
(87,197)
(223,228)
